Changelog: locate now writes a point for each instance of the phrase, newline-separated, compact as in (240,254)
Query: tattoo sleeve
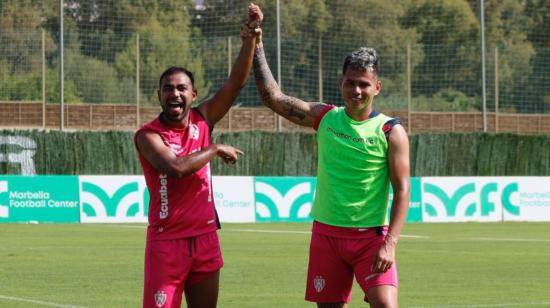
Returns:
(269,90)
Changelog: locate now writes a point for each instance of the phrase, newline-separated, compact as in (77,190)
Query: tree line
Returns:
(442,36)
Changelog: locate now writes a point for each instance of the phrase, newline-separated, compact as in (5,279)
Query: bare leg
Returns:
(332,305)
(205,293)
(384,296)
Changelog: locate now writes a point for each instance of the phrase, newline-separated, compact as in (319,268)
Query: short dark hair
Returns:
(176,70)
(363,59)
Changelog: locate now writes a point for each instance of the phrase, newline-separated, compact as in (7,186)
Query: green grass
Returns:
(448,265)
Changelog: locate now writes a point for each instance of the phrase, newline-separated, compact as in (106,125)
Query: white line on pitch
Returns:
(123,226)
(485,305)
(510,239)
(267,231)
(402,235)
(26,300)
(414,236)
(301,232)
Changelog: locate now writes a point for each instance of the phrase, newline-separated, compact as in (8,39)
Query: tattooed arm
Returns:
(291,108)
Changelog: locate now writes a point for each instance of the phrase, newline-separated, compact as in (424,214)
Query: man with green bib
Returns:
(360,152)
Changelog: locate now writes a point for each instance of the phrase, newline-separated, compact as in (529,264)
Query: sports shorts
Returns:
(334,261)
(173,265)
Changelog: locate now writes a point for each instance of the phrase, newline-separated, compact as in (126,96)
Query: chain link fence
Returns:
(431,59)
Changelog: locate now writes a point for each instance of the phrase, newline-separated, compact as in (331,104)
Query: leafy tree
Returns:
(95,80)
(100,39)
(505,28)
(104,27)
(53,85)
(376,24)
(218,18)
(449,36)
(447,100)
(21,38)
(28,86)
(303,25)
(539,34)
(161,46)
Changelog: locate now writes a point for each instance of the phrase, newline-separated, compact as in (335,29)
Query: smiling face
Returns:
(176,95)
(358,88)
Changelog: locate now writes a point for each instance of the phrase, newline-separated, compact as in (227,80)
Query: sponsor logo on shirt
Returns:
(369,140)
(163,196)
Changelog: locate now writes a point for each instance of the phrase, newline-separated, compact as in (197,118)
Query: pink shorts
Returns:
(333,261)
(172,265)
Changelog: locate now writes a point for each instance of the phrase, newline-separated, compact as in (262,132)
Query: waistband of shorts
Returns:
(347,232)
(151,237)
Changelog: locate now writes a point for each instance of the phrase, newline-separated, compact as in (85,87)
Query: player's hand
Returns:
(253,22)
(228,153)
(385,257)
(255,16)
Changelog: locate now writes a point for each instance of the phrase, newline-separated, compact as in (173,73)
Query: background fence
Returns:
(125,117)
(431,57)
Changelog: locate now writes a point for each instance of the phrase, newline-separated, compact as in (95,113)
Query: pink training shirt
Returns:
(180,207)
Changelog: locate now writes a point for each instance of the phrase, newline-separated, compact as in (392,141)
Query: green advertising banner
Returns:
(415,202)
(289,199)
(39,199)
(113,198)
(119,199)
(283,199)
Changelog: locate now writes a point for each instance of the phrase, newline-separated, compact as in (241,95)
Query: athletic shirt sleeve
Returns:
(321,115)
(388,126)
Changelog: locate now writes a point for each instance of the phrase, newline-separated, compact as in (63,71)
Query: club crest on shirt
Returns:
(160,298)
(193,131)
(319,283)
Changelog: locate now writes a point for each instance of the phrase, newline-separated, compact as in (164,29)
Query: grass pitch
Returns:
(440,265)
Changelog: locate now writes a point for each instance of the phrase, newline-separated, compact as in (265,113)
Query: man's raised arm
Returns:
(215,108)
(291,108)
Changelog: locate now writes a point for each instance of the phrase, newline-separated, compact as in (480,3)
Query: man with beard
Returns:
(182,252)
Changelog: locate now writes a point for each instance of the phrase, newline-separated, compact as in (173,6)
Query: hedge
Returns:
(277,154)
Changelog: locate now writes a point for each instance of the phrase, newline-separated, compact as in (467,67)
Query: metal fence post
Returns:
(228,56)
(320,68)
(496,89)
(137,82)
(61,68)
(409,90)
(279,78)
(483,83)
(43,78)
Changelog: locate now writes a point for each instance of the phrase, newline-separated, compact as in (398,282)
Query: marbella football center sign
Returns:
(104,199)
